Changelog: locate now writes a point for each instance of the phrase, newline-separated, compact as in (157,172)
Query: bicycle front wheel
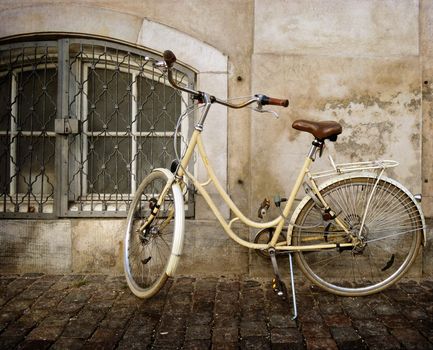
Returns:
(390,233)
(154,233)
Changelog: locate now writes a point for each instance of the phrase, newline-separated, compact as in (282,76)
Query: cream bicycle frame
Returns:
(346,234)
(277,223)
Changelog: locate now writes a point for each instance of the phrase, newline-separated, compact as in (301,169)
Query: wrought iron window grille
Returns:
(82,121)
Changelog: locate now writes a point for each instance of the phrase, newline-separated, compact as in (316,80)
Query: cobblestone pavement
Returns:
(99,312)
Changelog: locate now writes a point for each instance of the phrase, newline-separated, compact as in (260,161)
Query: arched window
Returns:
(82,121)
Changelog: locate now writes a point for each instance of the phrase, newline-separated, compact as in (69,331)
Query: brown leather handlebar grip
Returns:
(169,58)
(278,102)
(265,100)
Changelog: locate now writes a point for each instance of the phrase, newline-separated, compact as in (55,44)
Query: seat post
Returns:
(316,144)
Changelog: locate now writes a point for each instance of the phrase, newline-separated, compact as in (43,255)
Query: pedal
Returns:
(279,288)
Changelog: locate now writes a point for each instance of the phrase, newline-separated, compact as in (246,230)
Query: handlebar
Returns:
(170,59)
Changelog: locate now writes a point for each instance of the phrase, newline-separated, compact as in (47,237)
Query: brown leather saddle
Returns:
(320,130)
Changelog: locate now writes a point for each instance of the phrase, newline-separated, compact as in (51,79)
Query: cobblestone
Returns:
(99,312)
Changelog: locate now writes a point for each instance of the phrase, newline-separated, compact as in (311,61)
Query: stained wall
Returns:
(358,63)
(366,64)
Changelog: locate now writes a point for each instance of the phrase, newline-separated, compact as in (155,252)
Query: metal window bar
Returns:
(127,113)
(27,108)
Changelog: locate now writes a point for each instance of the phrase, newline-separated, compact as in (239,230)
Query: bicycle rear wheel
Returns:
(391,236)
(154,234)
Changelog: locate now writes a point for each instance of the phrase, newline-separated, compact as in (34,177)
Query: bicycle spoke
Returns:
(387,244)
(393,235)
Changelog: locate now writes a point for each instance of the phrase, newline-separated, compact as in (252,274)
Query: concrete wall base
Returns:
(95,246)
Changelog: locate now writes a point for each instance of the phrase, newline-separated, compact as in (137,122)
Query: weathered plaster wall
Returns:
(356,63)
(35,246)
(359,63)
(368,28)
(367,64)
(96,246)
(426,46)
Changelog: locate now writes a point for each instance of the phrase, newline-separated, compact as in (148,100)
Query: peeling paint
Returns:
(413,105)
(380,126)
(346,103)
(365,139)
(415,139)
(378,102)
(411,101)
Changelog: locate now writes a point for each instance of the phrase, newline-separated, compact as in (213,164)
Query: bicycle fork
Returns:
(155,206)
(279,286)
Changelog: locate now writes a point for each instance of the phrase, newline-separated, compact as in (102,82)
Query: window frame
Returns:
(135,134)
(61,206)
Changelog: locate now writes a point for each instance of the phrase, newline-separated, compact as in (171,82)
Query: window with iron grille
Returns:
(82,122)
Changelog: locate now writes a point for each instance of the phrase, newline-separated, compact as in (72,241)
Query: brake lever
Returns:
(261,110)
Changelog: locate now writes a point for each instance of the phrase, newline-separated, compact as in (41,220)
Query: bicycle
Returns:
(354,235)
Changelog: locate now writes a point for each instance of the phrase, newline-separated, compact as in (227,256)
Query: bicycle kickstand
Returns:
(279,286)
(292,283)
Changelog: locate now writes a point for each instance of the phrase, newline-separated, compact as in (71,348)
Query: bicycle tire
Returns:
(393,232)
(151,255)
